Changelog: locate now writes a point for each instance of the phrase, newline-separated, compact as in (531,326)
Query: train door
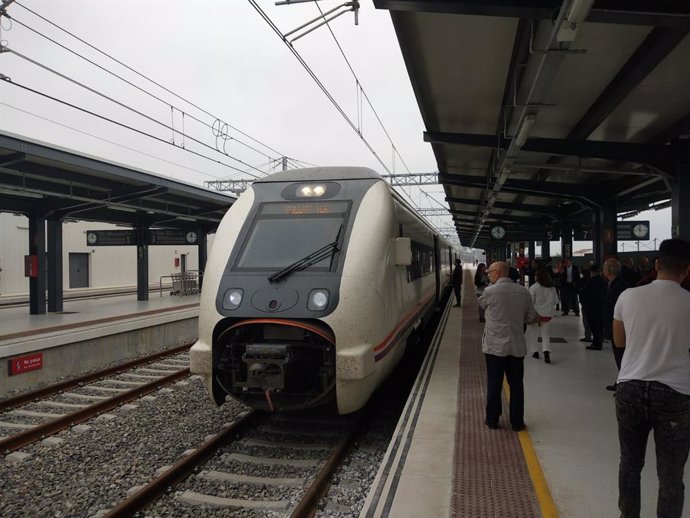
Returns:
(437,269)
(78,270)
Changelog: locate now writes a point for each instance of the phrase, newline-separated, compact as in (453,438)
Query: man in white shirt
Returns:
(652,323)
(507,307)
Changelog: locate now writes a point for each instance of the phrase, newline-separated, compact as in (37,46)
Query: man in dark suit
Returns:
(592,297)
(456,281)
(617,285)
(569,277)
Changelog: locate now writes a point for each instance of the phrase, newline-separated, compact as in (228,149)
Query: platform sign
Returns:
(625,231)
(111,237)
(171,237)
(24,364)
(532,234)
(582,233)
(129,237)
(632,230)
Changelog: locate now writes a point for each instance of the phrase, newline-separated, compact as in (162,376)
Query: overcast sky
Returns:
(223,57)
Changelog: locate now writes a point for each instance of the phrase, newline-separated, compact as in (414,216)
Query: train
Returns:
(317,280)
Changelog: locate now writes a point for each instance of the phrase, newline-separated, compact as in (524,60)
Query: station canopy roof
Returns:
(36,179)
(539,112)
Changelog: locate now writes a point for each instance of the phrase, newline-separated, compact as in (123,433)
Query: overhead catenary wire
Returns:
(219,127)
(306,67)
(171,127)
(362,91)
(142,90)
(122,125)
(122,105)
(144,76)
(205,173)
(313,75)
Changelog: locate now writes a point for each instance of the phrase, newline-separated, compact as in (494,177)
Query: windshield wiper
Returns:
(319,255)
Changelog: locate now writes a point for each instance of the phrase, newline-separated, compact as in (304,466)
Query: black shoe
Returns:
(577,314)
(547,357)
(594,347)
(565,314)
(536,355)
(612,388)
(519,427)
(585,339)
(492,426)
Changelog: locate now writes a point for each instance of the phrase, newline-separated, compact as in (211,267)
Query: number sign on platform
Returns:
(632,231)
(24,364)
(516,233)
(625,231)
(171,237)
(129,237)
(111,237)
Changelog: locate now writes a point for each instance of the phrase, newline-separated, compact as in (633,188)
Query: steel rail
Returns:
(29,397)
(39,432)
(307,505)
(179,471)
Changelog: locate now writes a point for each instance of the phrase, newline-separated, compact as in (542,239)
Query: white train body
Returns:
(333,325)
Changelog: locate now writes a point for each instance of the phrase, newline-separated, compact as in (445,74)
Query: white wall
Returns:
(108,265)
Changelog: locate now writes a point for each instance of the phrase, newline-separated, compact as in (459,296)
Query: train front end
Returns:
(272,276)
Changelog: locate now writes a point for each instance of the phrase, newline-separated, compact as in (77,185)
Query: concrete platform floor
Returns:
(14,320)
(571,426)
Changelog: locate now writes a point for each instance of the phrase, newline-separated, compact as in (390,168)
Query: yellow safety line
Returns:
(541,487)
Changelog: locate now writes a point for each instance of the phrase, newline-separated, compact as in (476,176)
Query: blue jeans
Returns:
(513,368)
(642,406)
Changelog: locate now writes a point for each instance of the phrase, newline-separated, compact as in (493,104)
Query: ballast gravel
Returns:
(92,471)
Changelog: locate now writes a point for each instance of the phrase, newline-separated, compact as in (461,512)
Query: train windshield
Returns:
(283,233)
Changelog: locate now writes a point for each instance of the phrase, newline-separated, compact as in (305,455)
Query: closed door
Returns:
(78,270)
(183,263)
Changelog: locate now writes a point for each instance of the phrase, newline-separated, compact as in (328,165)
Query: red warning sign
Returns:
(23,364)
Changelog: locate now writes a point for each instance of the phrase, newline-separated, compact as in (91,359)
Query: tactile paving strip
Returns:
(490,478)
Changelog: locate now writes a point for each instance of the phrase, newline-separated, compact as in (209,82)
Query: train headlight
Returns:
(318,300)
(311,191)
(232,298)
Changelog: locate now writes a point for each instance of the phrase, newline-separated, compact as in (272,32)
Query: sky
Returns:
(224,58)
(240,78)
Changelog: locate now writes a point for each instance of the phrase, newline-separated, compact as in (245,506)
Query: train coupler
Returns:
(266,365)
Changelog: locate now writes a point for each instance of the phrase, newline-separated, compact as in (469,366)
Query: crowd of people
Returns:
(641,311)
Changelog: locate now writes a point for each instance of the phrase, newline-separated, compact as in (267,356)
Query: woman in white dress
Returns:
(545,298)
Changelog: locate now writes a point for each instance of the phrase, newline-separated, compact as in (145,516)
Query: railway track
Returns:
(297,457)
(153,459)
(33,416)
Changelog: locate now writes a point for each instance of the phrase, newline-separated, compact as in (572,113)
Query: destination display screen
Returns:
(302,209)
(283,233)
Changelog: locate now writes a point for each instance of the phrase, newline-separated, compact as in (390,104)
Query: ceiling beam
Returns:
(120,196)
(11,159)
(503,217)
(548,189)
(640,153)
(525,207)
(661,13)
(677,129)
(654,49)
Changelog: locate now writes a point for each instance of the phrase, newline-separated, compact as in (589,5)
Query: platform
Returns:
(92,332)
(444,461)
